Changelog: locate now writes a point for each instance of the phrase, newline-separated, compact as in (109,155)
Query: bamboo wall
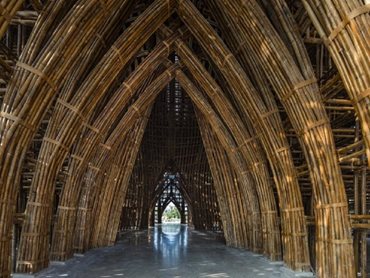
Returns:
(260,107)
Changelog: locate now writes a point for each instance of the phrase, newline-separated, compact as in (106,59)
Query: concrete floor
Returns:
(166,251)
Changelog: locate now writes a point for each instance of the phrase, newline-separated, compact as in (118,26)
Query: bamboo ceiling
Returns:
(258,110)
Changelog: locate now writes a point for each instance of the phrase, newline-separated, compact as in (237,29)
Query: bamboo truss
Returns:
(256,111)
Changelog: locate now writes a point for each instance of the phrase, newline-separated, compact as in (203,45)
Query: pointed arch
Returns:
(270,127)
(160,189)
(75,59)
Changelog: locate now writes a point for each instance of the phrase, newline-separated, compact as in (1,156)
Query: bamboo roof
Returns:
(260,110)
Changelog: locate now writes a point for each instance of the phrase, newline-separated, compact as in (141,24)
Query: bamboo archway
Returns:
(94,81)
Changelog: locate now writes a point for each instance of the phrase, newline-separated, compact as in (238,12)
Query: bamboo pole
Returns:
(247,145)
(294,230)
(8,9)
(344,28)
(28,96)
(82,153)
(312,126)
(88,194)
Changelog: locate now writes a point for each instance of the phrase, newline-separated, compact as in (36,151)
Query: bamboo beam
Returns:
(352,156)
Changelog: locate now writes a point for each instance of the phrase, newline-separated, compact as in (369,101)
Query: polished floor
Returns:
(166,251)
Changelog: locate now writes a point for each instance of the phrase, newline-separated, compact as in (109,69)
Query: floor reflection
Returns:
(170,243)
(166,251)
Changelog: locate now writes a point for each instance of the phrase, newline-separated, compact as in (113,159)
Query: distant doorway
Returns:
(171,206)
(171,214)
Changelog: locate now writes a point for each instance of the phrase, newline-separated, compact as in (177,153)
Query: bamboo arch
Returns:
(240,124)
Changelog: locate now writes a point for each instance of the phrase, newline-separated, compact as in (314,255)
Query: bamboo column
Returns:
(276,147)
(51,157)
(84,150)
(229,144)
(83,224)
(247,145)
(109,234)
(61,136)
(220,187)
(223,175)
(294,228)
(29,95)
(125,156)
(302,102)
(344,27)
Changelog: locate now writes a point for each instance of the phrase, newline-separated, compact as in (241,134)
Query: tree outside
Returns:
(171,214)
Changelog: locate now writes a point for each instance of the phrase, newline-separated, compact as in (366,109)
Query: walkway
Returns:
(168,251)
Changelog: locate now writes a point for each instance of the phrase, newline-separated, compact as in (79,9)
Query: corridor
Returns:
(166,251)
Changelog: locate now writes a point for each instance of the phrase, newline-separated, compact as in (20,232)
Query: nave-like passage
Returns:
(171,250)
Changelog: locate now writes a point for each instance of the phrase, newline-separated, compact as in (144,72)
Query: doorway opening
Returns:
(171,214)
(171,206)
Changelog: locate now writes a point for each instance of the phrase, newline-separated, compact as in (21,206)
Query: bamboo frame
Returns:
(246,145)
(313,129)
(69,79)
(17,132)
(82,153)
(290,197)
(340,32)
(74,114)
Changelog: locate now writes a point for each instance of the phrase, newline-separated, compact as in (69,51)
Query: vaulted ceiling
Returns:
(262,107)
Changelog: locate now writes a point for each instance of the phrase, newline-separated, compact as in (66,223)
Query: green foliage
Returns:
(171,213)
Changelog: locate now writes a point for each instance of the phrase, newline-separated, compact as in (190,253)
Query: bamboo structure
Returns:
(86,148)
(340,31)
(8,10)
(252,117)
(263,190)
(231,70)
(312,119)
